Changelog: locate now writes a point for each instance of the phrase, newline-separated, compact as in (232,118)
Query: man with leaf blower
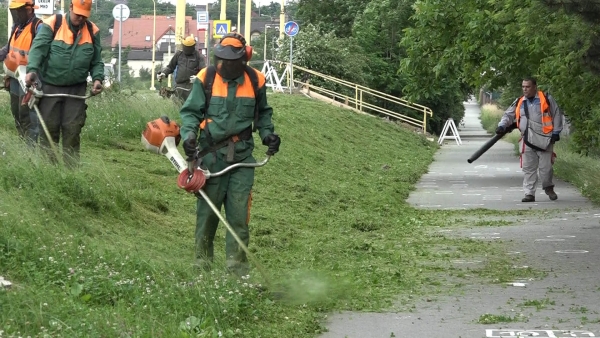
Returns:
(540,121)
(66,49)
(227,102)
(14,54)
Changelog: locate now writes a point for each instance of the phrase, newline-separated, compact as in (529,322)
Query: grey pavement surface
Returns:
(564,245)
(494,181)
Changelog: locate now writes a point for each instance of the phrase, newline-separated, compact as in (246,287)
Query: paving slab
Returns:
(566,248)
(565,245)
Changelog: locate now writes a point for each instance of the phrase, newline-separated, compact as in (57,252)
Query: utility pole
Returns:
(247,22)
(153,46)
(120,37)
(10,20)
(223,10)
(179,24)
(281,20)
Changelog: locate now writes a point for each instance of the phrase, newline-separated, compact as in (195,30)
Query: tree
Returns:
(336,16)
(231,10)
(496,44)
(378,30)
(325,53)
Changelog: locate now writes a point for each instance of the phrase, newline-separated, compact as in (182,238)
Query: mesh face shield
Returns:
(230,69)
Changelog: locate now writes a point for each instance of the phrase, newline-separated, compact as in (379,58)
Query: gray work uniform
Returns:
(533,160)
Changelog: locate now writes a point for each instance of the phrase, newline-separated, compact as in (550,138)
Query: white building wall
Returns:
(136,65)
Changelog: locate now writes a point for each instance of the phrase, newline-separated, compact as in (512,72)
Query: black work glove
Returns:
(555,137)
(190,146)
(272,141)
(500,130)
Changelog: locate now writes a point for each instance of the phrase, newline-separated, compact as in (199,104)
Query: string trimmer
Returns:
(162,136)
(167,92)
(33,94)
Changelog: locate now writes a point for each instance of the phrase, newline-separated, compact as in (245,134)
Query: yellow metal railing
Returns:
(357,101)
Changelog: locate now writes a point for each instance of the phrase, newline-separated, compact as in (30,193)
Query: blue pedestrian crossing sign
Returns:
(221,27)
(291,28)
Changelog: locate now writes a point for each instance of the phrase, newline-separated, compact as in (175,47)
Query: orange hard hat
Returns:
(82,7)
(14,4)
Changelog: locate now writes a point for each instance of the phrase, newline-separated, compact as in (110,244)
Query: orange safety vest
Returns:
(547,126)
(215,86)
(63,33)
(20,46)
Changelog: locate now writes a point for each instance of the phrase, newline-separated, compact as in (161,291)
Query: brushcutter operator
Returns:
(185,63)
(540,121)
(14,54)
(64,52)
(222,132)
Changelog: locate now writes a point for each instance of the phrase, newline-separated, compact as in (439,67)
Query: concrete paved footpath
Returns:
(566,246)
(494,181)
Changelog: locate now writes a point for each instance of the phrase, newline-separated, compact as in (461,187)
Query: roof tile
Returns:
(135,30)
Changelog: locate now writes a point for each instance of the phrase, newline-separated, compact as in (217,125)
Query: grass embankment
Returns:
(581,171)
(107,250)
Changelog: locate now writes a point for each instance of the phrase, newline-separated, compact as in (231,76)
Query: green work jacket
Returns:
(68,57)
(231,110)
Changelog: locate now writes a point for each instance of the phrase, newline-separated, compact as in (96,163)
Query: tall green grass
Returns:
(107,250)
(581,171)
(490,117)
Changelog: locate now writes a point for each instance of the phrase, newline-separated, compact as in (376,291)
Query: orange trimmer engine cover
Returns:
(156,131)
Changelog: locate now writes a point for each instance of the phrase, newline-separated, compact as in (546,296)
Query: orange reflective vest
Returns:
(547,126)
(60,28)
(19,47)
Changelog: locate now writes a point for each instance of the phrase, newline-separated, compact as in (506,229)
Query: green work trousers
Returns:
(232,190)
(63,116)
(26,119)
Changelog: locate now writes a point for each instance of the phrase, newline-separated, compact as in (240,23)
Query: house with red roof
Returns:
(137,35)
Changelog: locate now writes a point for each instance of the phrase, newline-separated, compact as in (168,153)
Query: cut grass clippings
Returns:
(581,171)
(107,250)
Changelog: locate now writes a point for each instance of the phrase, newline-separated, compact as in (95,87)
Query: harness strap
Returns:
(254,79)
(229,142)
(246,134)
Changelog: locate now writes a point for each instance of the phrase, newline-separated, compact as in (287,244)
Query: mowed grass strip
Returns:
(107,250)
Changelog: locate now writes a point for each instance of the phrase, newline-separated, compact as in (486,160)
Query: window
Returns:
(147,37)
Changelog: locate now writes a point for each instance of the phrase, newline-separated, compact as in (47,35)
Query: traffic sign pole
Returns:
(121,13)
(120,39)
(207,42)
(291,28)
(291,67)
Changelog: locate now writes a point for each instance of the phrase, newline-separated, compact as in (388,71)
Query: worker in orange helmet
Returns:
(66,50)
(15,54)
(185,64)
(228,102)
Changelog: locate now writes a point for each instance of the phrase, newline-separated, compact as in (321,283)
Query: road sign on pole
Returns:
(291,28)
(121,13)
(221,27)
(203,25)
(202,20)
